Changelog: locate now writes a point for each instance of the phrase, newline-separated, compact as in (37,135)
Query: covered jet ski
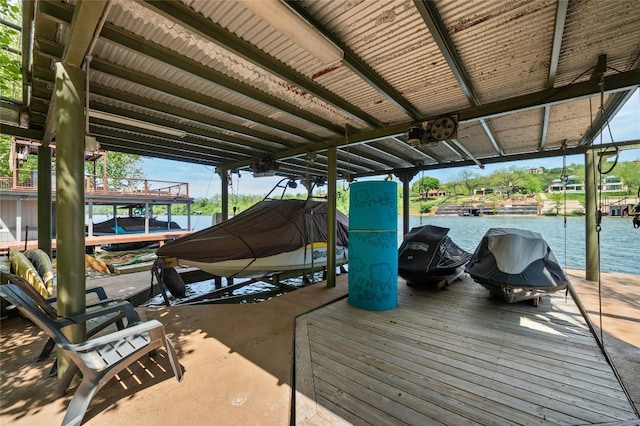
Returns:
(428,256)
(271,236)
(516,265)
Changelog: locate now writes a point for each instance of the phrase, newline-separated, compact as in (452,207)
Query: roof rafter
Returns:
(558,32)
(614,83)
(187,17)
(431,16)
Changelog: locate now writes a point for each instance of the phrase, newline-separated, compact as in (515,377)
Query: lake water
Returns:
(619,240)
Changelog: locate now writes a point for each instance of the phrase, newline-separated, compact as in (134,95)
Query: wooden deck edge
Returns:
(304,391)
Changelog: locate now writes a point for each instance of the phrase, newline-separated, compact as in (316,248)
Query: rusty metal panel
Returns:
(520,130)
(473,137)
(391,37)
(595,27)
(570,120)
(174,37)
(504,45)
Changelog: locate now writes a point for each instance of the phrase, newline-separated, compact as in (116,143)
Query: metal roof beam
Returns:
(558,32)
(102,127)
(183,15)
(44,75)
(115,136)
(85,26)
(610,109)
(98,64)
(429,12)
(415,150)
(52,49)
(381,153)
(181,113)
(458,147)
(398,154)
(617,82)
(131,41)
(359,67)
(130,148)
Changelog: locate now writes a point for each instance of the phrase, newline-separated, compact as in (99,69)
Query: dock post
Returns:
(44,199)
(592,261)
(331,215)
(69,97)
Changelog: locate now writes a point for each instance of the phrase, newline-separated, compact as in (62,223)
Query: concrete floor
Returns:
(237,359)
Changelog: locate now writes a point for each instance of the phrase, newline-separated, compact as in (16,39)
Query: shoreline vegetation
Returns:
(508,186)
(549,204)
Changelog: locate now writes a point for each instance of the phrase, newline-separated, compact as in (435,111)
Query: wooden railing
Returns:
(27,180)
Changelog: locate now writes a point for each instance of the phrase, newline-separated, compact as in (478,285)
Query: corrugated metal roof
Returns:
(241,89)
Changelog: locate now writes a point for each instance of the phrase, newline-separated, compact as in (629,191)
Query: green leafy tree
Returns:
(5,149)
(530,183)
(630,173)
(10,58)
(118,165)
(557,201)
(507,179)
(424,184)
(454,185)
(469,179)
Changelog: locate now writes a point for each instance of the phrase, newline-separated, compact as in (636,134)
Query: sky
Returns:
(205,183)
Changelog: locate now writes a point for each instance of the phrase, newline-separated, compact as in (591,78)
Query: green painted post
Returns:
(70,133)
(224,194)
(592,261)
(331,215)
(44,199)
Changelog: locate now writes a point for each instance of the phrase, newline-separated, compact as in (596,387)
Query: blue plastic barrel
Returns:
(373,245)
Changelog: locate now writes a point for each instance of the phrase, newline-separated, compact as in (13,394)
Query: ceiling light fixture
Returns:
(137,123)
(299,30)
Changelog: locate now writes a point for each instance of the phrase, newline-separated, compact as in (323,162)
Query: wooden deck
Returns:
(454,357)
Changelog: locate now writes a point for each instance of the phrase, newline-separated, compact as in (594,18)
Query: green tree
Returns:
(507,179)
(118,165)
(630,173)
(424,184)
(469,179)
(5,149)
(10,46)
(454,185)
(530,183)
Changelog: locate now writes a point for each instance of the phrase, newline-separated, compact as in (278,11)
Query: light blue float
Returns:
(373,245)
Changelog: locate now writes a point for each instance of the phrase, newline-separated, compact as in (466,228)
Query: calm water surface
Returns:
(619,240)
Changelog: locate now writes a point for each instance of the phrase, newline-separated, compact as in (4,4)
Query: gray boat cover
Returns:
(269,227)
(515,257)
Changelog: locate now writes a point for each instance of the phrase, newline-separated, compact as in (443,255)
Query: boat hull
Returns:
(311,256)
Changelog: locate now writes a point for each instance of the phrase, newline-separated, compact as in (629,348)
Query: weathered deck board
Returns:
(454,357)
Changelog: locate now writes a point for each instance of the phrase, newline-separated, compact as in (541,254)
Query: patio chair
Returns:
(97,316)
(98,359)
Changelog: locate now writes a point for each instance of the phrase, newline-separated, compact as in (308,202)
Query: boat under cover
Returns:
(516,265)
(271,236)
(132,225)
(428,255)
